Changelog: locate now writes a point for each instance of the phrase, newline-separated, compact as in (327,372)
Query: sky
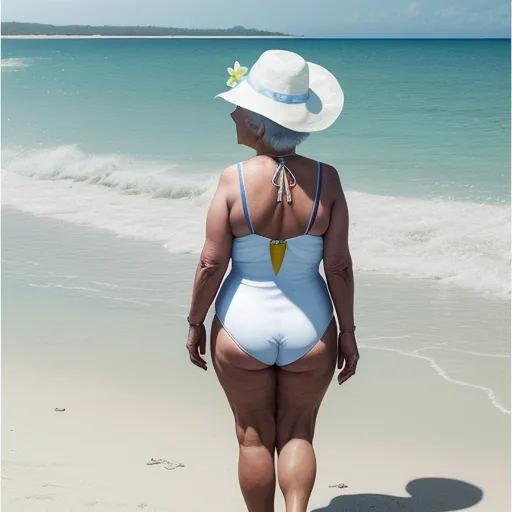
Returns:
(313,18)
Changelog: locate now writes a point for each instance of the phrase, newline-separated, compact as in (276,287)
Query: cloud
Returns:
(377,16)
(449,13)
(352,16)
(412,10)
(475,17)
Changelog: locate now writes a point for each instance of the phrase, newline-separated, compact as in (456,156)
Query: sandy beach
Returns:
(423,427)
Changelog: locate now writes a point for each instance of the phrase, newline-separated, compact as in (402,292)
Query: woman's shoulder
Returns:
(331,176)
(329,171)
(227,180)
(229,174)
(332,188)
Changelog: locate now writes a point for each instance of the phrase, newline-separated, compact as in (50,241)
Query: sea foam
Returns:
(14,64)
(462,243)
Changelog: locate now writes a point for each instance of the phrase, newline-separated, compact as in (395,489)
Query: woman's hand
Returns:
(348,356)
(196,344)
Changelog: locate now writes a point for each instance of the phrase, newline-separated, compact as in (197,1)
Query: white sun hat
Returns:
(283,87)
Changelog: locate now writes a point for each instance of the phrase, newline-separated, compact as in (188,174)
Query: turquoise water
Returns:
(423,118)
(422,146)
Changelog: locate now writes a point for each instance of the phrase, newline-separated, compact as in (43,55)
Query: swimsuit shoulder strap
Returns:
(244,196)
(317,198)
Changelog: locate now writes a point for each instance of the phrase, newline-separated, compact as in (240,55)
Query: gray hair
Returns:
(276,136)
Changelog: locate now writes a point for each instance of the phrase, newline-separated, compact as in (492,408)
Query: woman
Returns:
(274,339)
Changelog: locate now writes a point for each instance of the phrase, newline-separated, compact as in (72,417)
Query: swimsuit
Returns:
(274,303)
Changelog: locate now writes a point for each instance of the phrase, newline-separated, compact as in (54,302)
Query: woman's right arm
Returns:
(340,277)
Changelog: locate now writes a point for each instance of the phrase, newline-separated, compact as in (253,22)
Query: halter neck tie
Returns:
(284,180)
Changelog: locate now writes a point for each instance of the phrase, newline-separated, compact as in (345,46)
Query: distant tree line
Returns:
(38,29)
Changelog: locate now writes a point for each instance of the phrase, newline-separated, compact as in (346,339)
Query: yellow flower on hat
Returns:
(236,73)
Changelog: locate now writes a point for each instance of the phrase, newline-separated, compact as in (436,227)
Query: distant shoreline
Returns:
(144,37)
(256,37)
(16,29)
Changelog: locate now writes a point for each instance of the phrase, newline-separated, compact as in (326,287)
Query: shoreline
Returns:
(137,215)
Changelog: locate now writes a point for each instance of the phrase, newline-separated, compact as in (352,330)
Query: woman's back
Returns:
(283,250)
(280,221)
(275,272)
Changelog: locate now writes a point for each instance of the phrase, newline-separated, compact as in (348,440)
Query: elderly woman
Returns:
(274,340)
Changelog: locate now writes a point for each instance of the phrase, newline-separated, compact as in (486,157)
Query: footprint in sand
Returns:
(339,486)
(166,463)
(39,497)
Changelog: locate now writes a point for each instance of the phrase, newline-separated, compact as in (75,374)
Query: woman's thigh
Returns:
(301,387)
(250,388)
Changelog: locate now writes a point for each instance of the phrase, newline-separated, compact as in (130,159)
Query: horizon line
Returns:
(354,38)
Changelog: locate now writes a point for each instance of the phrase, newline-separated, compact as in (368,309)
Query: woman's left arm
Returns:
(212,266)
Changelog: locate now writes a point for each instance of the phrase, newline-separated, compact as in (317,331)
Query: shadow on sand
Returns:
(426,495)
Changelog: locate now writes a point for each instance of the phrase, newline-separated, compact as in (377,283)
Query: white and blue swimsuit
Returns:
(276,311)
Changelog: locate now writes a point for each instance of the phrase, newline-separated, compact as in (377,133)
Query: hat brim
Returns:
(322,108)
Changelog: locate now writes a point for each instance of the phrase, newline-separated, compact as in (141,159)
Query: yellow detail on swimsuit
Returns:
(277,250)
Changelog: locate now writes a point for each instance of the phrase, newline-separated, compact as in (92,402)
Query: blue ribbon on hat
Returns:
(290,99)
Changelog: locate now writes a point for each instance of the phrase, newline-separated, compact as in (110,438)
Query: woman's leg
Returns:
(250,387)
(301,387)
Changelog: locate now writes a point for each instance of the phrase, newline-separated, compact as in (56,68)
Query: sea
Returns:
(125,135)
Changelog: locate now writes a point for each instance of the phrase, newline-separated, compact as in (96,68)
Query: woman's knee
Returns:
(256,429)
(295,424)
